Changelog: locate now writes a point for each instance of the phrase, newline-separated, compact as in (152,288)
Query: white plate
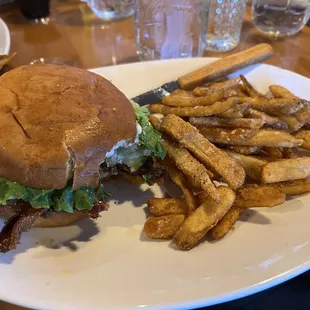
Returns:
(5,39)
(117,269)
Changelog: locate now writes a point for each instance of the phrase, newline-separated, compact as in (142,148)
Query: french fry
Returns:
(292,122)
(238,111)
(166,206)
(250,89)
(304,135)
(277,106)
(226,223)
(303,116)
(271,121)
(227,134)
(251,164)
(296,187)
(274,152)
(204,218)
(182,93)
(211,156)
(225,86)
(215,108)
(231,93)
(288,153)
(244,150)
(163,227)
(281,92)
(212,121)
(259,196)
(286,170)
(191,167)
(155,122)
(186,101)
(180,180)
(261,138)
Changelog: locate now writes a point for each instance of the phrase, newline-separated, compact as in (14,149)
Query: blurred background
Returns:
(97,33)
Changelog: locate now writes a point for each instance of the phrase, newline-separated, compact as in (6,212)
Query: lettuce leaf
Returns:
(149,138)
(57,200)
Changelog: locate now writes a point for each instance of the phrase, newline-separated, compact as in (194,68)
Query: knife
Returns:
(208,73)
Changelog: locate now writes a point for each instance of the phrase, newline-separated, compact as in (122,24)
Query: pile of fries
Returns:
(229,148)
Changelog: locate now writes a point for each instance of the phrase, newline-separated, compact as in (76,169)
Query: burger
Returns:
(63,131)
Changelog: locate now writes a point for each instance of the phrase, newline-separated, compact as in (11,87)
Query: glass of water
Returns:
(170,28)
(225,23)
(111,9)
(280,17)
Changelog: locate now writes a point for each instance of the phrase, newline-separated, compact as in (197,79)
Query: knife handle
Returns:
(225,66)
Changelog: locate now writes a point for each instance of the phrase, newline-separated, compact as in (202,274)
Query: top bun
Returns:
(58,122)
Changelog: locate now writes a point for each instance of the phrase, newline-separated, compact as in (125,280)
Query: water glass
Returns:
(280,17)
(225,23)
(170,28)
(111,9)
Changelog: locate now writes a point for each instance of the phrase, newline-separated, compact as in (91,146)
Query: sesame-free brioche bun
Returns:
(57,123)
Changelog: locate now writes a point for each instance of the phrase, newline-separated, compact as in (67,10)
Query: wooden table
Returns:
(79,38)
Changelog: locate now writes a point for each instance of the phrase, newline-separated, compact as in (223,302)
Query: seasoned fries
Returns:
(227,135)
(273,152)
(191,167)
(286,170)
(277,106)
(261,138)
(215,159)
(165,206)
(271,121)
(186,101)
(244,150)
(226,223)
(225,86)
(296,187)
(281,92)
(256,139)
(238,111)
(204,218)
(212,121)
(305,136)
(258,196)
(215,108)
(179,179)
(163,227)
(252,165)
(252,92)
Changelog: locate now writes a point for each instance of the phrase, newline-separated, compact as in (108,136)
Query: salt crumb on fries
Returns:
(229,148)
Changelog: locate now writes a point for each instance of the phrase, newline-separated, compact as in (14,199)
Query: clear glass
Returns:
(111,9)
(280,17)
(225,23)
(170,28)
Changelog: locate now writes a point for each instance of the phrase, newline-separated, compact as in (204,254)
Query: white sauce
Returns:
(113,155)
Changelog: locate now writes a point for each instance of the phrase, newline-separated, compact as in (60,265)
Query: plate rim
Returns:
(7,44)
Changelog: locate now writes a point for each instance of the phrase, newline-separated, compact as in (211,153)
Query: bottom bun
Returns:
(53,219)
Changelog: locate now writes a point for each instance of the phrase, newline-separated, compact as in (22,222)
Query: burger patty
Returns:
(152,169)
(24,218)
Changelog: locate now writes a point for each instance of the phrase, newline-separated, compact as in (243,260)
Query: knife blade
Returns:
(208,73)
(156,94)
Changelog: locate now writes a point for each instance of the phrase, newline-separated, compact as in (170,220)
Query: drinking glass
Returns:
(36,11)
(170,28)
(280,17)
(111,9)
(225,23)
